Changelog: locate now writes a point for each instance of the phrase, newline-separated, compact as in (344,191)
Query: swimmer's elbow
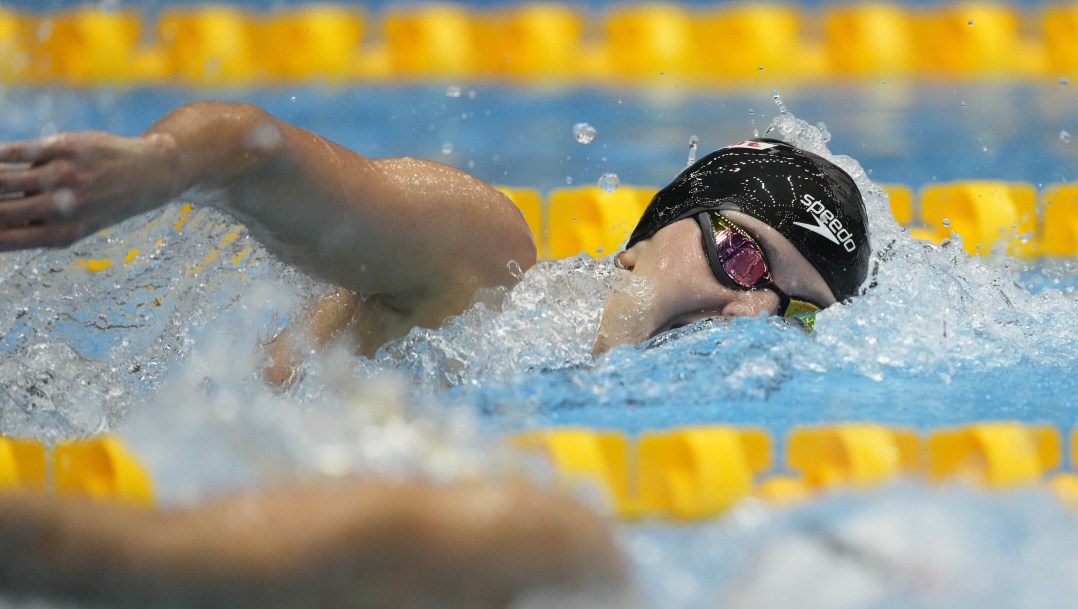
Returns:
(525,252)
(520,251)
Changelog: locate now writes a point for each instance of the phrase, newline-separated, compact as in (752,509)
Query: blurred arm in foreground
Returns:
(360,544)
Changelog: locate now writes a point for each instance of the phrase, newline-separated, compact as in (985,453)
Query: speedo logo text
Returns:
(827,225)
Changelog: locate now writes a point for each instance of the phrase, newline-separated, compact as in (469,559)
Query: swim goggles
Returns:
(739,263)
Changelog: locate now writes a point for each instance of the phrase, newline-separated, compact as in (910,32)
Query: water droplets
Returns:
(1063,80)
(608,182)
(65,203)
(584,133)
(777,98)
(693,141)
(452,91)
(447,148)
(1065,136)
(263,136)
(825,134)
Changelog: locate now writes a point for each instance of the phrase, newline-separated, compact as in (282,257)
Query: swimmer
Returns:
(756,228)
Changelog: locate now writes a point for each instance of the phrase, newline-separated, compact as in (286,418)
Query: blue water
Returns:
(162,349)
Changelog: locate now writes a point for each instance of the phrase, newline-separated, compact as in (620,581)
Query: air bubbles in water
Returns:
(1065,137)
(1063,80)
(693,141)
(584,133)
(609,182)
(447,148)
(452,91)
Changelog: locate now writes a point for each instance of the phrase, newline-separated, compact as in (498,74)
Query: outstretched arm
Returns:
(418,236)
(368,544)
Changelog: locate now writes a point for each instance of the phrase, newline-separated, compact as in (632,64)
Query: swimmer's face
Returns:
(682,288)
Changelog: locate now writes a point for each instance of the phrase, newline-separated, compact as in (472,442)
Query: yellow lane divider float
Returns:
(22,464)
(101,468)
(681,473)
(712,45)
(696,472)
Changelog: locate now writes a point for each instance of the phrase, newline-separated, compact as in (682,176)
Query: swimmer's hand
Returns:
(281,359)
(283,353)
(58,189)
(363,544)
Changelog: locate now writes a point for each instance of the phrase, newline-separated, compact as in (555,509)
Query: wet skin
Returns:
(682,289)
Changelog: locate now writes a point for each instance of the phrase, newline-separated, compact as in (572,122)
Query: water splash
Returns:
(549,321)
(693,142)
(777,98)
(930,308)
(584,133)
(608,182)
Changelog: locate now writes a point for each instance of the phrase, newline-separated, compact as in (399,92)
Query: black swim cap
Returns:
(808,199)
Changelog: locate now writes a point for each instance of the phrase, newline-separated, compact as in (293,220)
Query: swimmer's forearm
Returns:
(367,544)
(215,143)
(73,549)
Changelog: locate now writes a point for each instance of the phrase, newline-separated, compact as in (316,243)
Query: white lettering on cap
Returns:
(752,144)
(827,225)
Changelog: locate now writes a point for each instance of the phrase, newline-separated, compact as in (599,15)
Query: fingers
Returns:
(47,207)
(37,151)
(38,201)
(21,180)
(39,178)
(29,236)
(29,151)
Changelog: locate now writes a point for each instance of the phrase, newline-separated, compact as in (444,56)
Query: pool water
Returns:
(160,347)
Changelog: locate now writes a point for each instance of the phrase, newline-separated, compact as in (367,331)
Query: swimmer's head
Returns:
(809,200)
